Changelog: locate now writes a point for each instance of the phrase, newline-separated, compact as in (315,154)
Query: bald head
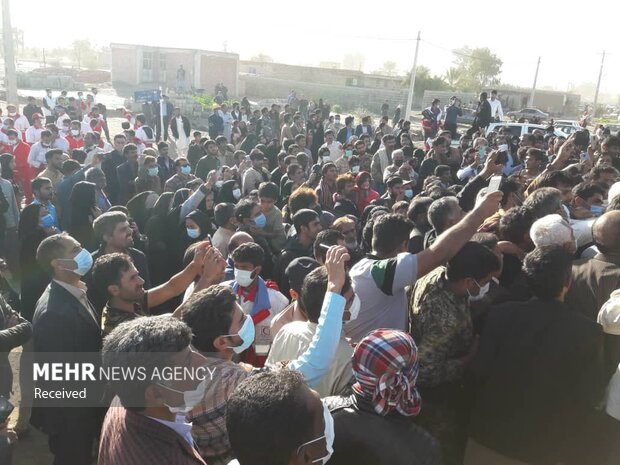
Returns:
(237,239)
(606,232)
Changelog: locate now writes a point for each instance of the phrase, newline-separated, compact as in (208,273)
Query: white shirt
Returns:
(36,157)
(335,150)
(21,122)
(180,426)
(61,143)
(496,109)
(141,134)
(582,229)
(60,119)
(90,155)
(294,338)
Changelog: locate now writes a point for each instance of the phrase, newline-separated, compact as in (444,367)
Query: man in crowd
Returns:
(43,192)
(227,226)
(126,174)
(327,186)
(111,161)
(54,158)
(183,175)
(256,174)
(496,107)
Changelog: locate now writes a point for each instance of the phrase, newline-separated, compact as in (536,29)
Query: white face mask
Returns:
(246,333)
(75,132)
(244,278)
(354,310)
(329,437)
(190,398)
(236,194)
(483,291)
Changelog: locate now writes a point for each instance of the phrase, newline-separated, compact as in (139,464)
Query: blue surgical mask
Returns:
(193,233)
(154,171)
(186,169)
(260,221)
(409,193)
(47,221)
(246,333)
(84,262)
(597,210)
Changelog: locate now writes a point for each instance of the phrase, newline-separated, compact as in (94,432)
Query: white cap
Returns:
(614,191)
(609,315)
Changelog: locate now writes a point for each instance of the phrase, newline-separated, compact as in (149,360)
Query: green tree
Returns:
(425,81)
(84,53)
(389,68)
(479,68)
(453,77)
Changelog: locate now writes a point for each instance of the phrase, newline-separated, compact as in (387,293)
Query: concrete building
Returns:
(143,66)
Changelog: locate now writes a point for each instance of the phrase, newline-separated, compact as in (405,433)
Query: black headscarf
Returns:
(137,209)
(226,192)
(5,163)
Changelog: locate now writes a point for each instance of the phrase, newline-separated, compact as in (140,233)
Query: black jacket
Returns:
(9,339)
(483,116)
(111,161)
(166,168)
(186,126)
(345,207)
(63,325)
(540,371)
(292,249)
(127,182)
(362,437)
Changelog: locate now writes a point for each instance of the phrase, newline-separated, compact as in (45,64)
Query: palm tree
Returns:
(453,77)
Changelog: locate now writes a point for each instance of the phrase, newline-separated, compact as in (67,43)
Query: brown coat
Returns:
(129,438)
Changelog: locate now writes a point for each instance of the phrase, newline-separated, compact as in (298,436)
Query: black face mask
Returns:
(399,162)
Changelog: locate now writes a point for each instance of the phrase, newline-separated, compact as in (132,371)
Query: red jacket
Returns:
(75,143)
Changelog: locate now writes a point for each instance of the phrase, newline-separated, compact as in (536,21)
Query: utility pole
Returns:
(10,74)
(412,83)
(598,85)
(534,85)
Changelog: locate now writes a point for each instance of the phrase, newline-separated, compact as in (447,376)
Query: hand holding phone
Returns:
(494,184)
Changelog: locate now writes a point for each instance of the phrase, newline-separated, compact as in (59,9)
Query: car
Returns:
(533,115)
(566,126)
(519,129)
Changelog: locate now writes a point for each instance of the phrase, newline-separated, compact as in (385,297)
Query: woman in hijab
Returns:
(148,176)
(35,224)
(230,192)
(140,207)
(249,143)
(7,165)
(83,200)
(364,193)
(207,206)
(375,425)
(155,230)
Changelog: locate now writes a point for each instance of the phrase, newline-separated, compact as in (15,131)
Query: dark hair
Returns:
(209,314)
(460,266)
(244,208)
(302,198)
(38,183)
(343,180)
(69,166)
(82,200)
(79,156)
(304,217)
(543,202)
(489,240)
(552,179)
(537,154)
(268,190)
(5,163)
(313,292)
(277,401)
(515,224)
(585,190)
(418,206)
(50,153)
(108,270)
(250,252)
(223,212)
(509,186)
(327,237)
(441,169)
(394,181)
(389,232)
(547,270)
(29,222)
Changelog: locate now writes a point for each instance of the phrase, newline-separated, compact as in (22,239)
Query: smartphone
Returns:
(209,239)
(494,184)
(584,156)
(348,153)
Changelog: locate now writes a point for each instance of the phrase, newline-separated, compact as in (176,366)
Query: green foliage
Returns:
(336,108)
(85,54)
(263,58)
(207,102)
(477,68)
(424,81)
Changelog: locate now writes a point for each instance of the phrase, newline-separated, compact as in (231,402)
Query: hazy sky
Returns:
(569,39)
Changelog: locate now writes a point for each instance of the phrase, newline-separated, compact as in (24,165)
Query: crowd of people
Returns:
(360,298)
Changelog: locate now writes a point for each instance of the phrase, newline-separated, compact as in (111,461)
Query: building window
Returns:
(147,60)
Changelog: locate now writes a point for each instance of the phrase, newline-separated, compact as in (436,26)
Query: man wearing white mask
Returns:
(294,338)
(222,329)
(36,157)
(149,425)
(258,298)
(21,122)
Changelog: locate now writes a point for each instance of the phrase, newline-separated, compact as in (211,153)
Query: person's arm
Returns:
(32,161)
(465,173)
(192,202)
(467,195)
(314,363)
(452,240)
(179,282)
(18,331)
(564,154)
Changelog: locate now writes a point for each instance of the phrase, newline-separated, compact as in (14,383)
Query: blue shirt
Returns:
(51,210)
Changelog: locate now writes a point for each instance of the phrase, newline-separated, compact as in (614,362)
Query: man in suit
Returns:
(146,426)
(347,131)
(168,108)
(594,279)
(65,322)
(483,115)
(111,161)
(126,174)
(540,370)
